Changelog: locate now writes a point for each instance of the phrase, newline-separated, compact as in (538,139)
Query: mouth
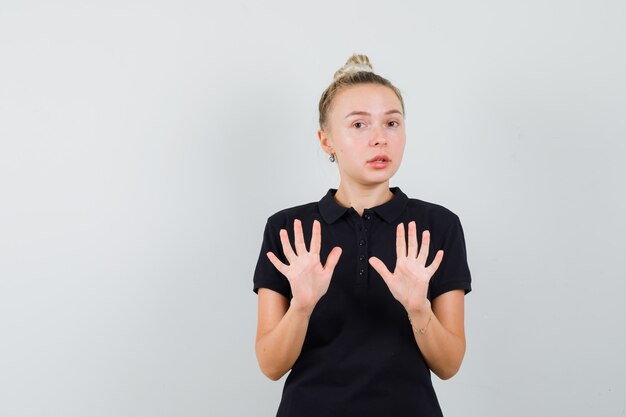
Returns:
(379,162)
(379,158)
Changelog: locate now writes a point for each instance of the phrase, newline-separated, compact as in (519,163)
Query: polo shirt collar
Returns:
(331,211)
(393,208)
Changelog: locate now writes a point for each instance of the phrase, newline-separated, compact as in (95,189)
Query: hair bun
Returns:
(356,63)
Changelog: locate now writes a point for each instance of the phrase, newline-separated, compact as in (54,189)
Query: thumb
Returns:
(277,263)
(381,268)
(332,259)
(435,263)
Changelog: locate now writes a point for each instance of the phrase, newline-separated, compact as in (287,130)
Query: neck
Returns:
(361,197)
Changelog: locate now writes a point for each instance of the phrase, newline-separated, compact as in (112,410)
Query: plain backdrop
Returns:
(143,144)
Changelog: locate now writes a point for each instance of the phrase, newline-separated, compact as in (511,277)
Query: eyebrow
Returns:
(364,113)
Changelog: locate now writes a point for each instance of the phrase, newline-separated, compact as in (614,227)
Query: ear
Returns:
(325,142)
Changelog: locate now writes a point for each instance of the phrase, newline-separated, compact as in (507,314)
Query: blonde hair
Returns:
(357,70)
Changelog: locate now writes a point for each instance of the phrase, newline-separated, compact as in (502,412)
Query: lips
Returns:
(380,158)
(380,161)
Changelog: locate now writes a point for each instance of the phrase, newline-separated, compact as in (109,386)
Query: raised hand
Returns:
(409,281)
(309,280)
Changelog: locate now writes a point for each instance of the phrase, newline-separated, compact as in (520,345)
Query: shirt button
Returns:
(367,217)
(362,258)
(361,242)
(361,272)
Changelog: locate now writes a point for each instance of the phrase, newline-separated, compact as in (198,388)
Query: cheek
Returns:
(400,141)
(350,154)
(347,147)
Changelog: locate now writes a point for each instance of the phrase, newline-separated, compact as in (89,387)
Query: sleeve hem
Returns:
(450,286)
(281,290)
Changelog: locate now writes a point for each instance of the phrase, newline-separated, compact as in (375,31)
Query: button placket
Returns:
(363,249)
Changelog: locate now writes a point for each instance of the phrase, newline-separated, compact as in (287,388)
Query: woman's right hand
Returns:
(309,280)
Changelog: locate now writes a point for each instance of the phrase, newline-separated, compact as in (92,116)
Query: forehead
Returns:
(372,98)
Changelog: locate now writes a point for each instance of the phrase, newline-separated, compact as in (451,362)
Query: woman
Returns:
(376,302)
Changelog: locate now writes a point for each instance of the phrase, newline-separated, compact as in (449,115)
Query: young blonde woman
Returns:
(361,294)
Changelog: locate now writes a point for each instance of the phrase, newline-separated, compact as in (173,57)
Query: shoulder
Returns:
(305,212)
(432,212)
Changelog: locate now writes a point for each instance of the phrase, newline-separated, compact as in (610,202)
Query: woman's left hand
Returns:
(409,281)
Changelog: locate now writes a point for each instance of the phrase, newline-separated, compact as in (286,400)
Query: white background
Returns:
(144,144)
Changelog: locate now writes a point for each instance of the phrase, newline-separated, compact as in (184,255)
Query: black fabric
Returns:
(359,356)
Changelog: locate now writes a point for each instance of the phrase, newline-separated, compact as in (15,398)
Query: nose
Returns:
(379,137)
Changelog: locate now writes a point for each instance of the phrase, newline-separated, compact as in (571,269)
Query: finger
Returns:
(412,252)
(277,263)
(316,237)
(298,237)
(332,259)
(432,268)
(423,255)
(381,268)
(287,249)
(400,242)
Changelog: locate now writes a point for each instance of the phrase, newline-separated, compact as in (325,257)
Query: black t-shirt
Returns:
(359,356)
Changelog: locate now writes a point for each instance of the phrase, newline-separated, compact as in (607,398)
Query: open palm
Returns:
(408,282)
(309,280)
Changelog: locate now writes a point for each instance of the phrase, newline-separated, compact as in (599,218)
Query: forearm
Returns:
(278,349)
(442,349)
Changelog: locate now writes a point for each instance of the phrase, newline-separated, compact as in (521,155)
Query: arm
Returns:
(282,324)
(438,327)
(443,342)
(280,333)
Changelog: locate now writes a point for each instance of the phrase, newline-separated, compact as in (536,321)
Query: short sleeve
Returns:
(265,274)
(453,272)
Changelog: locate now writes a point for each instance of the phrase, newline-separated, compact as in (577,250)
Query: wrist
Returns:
(421,310)
(421,330)
(420,317)
(301,309)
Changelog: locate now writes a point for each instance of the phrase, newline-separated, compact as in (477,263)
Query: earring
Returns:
(332,158)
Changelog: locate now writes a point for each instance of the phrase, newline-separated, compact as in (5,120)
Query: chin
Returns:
(377,180)
(381,176)
(371,178)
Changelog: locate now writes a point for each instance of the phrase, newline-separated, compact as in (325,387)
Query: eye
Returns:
(396,123)
(360,124)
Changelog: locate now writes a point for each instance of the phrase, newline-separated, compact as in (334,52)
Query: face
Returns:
(365,131)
